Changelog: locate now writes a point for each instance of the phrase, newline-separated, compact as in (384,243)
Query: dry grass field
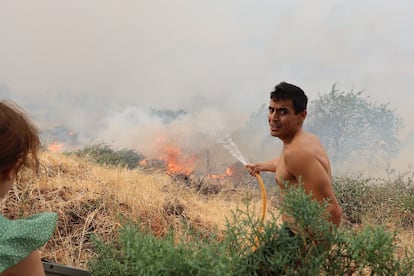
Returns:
(93,199)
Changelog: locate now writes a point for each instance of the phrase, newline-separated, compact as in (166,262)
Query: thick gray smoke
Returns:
(99,68)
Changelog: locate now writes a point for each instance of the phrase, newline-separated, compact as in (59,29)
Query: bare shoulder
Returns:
(304,151)
(296,156)
(302,147)
(309,144)
(309,139)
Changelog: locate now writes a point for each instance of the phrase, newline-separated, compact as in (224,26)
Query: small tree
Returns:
(351,126)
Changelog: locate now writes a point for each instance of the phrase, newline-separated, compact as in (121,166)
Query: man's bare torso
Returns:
(308,146)
(306,142)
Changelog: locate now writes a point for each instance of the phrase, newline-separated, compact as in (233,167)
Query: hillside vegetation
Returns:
(98,204)
(95,199)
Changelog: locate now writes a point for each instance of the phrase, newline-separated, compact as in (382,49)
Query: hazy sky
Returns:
(95,60)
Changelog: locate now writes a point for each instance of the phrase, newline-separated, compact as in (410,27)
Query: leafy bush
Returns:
(318,248)
(380,201)
(105,155)
(352,195)
(141,253)
(250,247)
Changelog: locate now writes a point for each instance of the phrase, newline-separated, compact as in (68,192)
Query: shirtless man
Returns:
(303,156)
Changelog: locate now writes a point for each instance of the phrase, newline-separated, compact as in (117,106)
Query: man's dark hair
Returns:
(286,91)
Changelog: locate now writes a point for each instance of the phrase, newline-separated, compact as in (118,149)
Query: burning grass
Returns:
(94,199)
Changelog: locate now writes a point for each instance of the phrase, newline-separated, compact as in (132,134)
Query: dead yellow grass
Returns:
(92,199)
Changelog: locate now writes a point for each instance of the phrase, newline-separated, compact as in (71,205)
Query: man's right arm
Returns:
(269,166)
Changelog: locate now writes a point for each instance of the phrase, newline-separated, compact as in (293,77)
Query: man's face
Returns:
(283,121)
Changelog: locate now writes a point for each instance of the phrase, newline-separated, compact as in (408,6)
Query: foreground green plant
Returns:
(319,248)
(252,248)
(141,253)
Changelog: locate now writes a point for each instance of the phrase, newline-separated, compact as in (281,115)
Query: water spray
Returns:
(227,142)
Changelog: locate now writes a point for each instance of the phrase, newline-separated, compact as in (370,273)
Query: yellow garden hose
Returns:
(263,189)
(227,142)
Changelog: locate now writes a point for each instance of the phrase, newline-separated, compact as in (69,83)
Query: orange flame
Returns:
(229,172)
(56,147)
(176,161)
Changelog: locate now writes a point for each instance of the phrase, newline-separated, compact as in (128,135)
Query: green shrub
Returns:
(141,253)
(319,248)
(378,201)
(105,155)
(352,195)
(250,247)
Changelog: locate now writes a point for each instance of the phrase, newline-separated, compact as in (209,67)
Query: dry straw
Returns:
(92,199)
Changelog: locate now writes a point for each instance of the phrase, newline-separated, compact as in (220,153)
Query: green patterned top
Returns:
(20,237)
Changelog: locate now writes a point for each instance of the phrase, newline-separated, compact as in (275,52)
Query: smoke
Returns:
(99,67)
(196,131)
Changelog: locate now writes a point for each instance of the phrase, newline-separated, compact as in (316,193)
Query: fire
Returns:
(176,161)
(63,139)
(229,172)
(56,147)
